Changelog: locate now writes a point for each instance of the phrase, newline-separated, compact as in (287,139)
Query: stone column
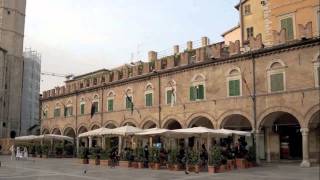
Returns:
(90,142)
(257,142)
(305,147)
(268,144)
(209,144)
(78,142)
(120,145)
(103,143)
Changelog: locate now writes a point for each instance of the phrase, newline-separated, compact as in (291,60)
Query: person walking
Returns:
(146,156)
(25,153)
(13,154)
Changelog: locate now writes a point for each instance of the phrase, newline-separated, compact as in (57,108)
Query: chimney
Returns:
(152,56)
(189,45)
(204,41)
(175,49)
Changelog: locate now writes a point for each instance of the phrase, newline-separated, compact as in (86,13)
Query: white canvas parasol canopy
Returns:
(199,131)
(44,137)
(121,131)
(96,132)
(235,132)
(155,132)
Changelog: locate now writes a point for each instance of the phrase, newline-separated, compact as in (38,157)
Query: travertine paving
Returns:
(69,169)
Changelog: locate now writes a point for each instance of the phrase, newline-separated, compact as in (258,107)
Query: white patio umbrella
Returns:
(120,131)
(96,132)
(199,131)
(27,138)
(56,137)
(235,132)
(155,132)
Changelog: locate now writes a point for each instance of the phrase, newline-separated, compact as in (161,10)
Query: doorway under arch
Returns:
(172,124)
(201,122)
(236,122)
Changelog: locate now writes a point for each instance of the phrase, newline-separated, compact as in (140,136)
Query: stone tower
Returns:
(12,22)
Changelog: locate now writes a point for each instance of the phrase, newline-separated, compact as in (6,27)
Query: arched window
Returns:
(128,96)
(148,95)
(45,112)
(276,76)
(95,104)
(234,82)
(171,93)
(95,81)
(57,111)
(82,106)
(317,71)
(87,81)
(110,101)
(197,88)
(68,109)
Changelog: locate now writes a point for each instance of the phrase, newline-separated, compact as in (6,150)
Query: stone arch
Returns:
(69,131)
(196,118)
(170,117)
(111,124)
(94,126)
(293,112)
(275,62)
(172,124)
(147,122)
(82,129)
(130,122)
(56,131)
(45,131)
(312,115)
(234,70)
(198,77)
(230,115)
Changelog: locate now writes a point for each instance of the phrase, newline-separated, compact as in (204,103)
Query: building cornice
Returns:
(293,45)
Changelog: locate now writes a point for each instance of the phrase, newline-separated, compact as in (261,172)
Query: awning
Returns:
(121,131)
(96,132)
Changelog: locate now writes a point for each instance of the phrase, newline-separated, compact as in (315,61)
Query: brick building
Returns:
(272,90)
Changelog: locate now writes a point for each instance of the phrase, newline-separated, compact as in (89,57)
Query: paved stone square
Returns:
(69,169)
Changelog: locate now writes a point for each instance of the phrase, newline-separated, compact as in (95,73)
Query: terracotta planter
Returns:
(45,156)
(134,164)
(156,166)
(212,169)
(105,162)
(151,165)
(39,156)
(94,161)
(222,169)
(124,164)
(241,163)
(84,161)
(140,165)
(176,167)
(230,165)
(196,168)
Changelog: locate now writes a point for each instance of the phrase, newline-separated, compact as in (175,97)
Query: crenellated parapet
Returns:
(206,52)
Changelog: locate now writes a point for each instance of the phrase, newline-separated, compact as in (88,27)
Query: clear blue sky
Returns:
(79,36)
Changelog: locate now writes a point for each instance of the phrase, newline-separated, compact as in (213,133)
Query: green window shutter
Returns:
(128,103)
(110,105)
(276,82)
(96,107)
(169,96)
(288,25)
(192,93)
(234,87)
(149,99)
(200,92)
(82,109)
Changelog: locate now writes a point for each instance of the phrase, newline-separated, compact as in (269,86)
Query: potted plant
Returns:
(125,158)
(94,157)
(38,150)
(172,163)
(155,158)
(193,165)
(223,166)
(251,156)
(83,155)
(104,158)
(32,150)
(214,160)
(59,150)
(139,157)
(68,150)
(45,151)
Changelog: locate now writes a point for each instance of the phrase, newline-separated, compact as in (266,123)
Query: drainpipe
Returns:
(254,109)
(241,22)
(159,97)
(76,130)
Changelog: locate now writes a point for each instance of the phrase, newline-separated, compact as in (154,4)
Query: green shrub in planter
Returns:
(38,149)
(83,153)
(139,155)
(172,156)
(94,152)
(215,157)
(154,155)
(45,149)
(251,156)
(193,158)
(68,149)
(104,154)
(58,149)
